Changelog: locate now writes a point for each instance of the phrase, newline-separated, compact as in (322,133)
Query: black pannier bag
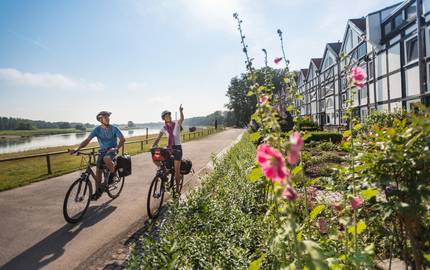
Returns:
(186,166)
(123,164)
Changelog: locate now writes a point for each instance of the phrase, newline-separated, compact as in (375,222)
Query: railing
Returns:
(147,140)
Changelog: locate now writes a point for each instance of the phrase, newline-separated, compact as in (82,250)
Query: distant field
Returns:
(22,172)
(36,132)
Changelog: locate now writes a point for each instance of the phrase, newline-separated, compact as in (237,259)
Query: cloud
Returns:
(46,80)
(136,86)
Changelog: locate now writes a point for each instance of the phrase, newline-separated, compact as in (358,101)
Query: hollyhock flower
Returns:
(272,162)
(264,99)
(358,76)
(296,145)
(322,225)
(289,193)
(277,60)
(356,202)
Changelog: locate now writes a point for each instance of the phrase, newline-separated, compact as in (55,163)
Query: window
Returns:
(371,71)
(363,92)
(387,28)
(398,20)
(362,50)
(411,49)
(411,11)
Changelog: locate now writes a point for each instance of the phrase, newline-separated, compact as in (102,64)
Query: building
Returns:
(392,45)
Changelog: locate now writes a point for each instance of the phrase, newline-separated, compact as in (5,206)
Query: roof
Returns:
(317,62)
(304,71)
(336,46)
(360,23)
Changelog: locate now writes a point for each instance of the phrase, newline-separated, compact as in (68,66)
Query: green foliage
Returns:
(307,124)
(220,226)
(382,119)
(324,136)
(328,146)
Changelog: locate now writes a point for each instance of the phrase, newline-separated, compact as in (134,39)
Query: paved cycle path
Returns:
(34,234)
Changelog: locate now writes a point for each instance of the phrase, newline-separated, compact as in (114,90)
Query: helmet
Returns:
(164,113)
(102,113)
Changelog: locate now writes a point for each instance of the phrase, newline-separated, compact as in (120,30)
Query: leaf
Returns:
(369,193)
(312,182)
(255,136)
(300,236)
(255,265)
(347,133)
(358,126)
(290,108)
(255,174)
(316,211)
(286,80)
(361,226)
(297,169)
(427,257)
(250,93)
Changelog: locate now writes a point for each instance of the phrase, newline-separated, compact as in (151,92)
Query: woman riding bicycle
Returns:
(173,131)
(107,136)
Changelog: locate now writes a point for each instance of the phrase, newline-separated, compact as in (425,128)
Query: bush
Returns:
(382,119)
(324,136)
(220,226)
(328,146)
(306,123)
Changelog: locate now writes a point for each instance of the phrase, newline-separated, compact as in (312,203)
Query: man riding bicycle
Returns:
(107,136)
(173,130)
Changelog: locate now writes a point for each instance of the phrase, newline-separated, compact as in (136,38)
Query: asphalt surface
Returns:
(34,234)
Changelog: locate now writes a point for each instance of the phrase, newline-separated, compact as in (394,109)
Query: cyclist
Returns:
(173,131)
(107,136)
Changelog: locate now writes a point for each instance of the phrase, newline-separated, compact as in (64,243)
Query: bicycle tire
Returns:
(173,181)
(111,194)
(88,192)
(156,187)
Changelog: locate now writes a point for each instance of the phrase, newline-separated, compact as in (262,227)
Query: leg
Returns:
(98,177)
(109,163)
(178,174)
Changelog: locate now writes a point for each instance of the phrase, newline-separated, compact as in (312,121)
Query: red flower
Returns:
(296,145)
(277,60)
(272,162)
(358,76)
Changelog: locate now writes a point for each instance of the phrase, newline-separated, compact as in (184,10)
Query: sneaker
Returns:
(97,194)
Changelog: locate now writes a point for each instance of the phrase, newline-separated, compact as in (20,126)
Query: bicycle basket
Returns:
(157,154)
(186,166)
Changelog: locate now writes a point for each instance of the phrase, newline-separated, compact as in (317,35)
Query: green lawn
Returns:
(22,172)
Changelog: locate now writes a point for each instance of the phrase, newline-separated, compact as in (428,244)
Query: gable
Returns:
(351,39)
(329,59)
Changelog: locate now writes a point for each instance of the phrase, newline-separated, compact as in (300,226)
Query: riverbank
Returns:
(25,171)
(10,134)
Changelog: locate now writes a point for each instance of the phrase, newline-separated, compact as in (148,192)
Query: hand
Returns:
(112,150)
(180,108)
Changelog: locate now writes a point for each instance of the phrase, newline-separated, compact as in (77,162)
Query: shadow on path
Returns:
(52,247)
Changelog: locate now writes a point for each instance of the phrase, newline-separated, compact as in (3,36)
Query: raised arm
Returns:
(181,115)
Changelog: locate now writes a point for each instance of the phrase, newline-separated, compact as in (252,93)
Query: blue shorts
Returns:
(100,162)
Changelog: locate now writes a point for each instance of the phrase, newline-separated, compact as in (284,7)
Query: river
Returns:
(36,142)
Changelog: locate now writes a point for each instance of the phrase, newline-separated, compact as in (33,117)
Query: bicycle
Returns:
(164,180)
(82,188)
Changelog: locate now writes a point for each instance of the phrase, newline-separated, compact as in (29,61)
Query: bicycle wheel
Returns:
(114,189)
(173,181)
(155,197)
(77,200)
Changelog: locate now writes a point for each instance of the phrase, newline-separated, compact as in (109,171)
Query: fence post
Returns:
(48,163)
(141,145)
(146,141)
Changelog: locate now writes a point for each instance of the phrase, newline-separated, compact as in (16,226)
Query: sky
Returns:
(68,60)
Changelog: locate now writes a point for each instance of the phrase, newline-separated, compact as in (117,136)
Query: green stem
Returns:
(354,191)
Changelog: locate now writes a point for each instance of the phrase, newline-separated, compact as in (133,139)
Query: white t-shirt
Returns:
(176,132)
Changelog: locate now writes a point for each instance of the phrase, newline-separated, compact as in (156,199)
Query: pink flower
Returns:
(296,141)
(264,99)
(312,191)
(356,202)
(272,162)
(358,76)
(296,145)
(289,193)
(322,225)
(277,60)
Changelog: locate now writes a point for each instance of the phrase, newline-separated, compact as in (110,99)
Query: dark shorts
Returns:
(100,162)
(177,152)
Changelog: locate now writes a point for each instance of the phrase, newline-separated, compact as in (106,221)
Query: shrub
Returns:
(328,146)
(306,123)
(324,136)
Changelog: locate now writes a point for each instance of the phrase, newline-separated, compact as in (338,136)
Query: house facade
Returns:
(392,45)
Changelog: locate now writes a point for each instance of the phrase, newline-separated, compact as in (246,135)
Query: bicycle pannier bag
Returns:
(124,165)
(186,166)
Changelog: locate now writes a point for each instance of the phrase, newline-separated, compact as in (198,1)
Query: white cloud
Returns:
(136,87)
(47,80)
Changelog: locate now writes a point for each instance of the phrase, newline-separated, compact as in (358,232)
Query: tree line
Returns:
(11,123)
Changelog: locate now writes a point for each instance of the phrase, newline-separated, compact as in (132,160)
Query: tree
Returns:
(242,105)
(130,124)
(80,127)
